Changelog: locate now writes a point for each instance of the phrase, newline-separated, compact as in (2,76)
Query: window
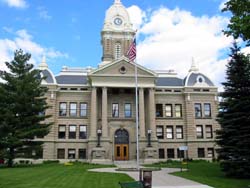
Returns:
(209,131)
(63,109)
(178,110)
(199,131)
(82,154)
(170,153)
(197,108)
(210,152)
(72,131)
(60,153)
(115,110)
(127,110)
(169,132)
(201,152)
(82,132)
(179,132)
(159,131)
(168,109)
(71,153)
(207,110)
(62,131)
(83,109)
(161,153)
(117,50)
(72,109)
(159,110)
(180,153)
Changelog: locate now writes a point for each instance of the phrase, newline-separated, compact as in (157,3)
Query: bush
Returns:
(51,162)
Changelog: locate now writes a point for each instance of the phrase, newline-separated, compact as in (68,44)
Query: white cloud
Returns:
(43,13)
(23,40)
(170,38)
(138,16)
(16,3)
(222,4)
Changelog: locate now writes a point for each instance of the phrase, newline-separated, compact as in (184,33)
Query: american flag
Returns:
(132,51)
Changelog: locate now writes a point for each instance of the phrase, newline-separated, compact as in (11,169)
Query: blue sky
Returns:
(68,32)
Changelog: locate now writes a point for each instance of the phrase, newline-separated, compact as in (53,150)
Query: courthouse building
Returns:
(94,111)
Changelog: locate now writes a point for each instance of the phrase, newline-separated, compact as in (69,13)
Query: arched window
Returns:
(117,50)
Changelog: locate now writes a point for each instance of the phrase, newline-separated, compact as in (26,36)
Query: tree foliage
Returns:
(239,25)
(22,107)
(234,117)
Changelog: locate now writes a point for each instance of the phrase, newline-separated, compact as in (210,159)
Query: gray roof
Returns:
(71,79)
(192,79)
(169,81)
(48,76)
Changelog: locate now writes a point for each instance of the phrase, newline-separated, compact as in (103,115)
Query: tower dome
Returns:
(117,18)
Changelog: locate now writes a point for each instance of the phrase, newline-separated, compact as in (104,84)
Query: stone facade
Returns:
(93,110)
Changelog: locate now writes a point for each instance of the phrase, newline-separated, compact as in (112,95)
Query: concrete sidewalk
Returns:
(161,179)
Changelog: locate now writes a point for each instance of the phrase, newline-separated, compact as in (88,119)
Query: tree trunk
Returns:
(11,157)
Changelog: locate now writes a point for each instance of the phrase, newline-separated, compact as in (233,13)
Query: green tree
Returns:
(234,117)
(22,107)
(239,25)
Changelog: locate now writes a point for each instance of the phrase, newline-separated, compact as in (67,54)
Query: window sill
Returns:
(175,118)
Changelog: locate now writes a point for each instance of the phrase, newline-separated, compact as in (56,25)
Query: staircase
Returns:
(126,164)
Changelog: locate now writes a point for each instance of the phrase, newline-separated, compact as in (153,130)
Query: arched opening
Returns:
(121,144)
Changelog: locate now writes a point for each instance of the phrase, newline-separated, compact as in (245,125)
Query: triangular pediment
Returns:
(122,67)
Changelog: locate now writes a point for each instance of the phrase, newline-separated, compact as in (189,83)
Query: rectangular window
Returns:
(209,131)
(71,153)
(210,152)
(178,110)
(82,154)
(60,153)
(199,131)
(180,153)
(169,132)
(159,110)
(170,153)
(72,131)
(201,152)
(62,131)
(82,132)
(168,109)
(161,153)
(73,109)
(115,110)
(83,109)
(179,132)
(63,109)
(127,110)
(197,109)
(159,131)
(207,110)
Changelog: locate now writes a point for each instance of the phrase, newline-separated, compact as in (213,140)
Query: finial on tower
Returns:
(194,67)
(43,64)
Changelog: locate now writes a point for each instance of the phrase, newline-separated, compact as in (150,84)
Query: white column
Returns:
(152,112)
(141,113)
(93,113)
(104,112)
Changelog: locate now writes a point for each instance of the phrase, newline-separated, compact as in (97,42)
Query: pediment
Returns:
(122,68)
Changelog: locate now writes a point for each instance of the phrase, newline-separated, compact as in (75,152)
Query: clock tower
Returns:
(117,33)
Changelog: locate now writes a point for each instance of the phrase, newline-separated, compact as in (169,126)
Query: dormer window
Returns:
(117,50)
(200,79)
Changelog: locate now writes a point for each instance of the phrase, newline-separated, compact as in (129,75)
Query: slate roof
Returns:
(72,79)
(49,77)
(192,79)
(169,81)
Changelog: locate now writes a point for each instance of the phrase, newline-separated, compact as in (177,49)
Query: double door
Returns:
(121,152)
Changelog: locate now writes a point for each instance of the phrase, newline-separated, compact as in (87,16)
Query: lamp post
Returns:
(99,133)
(149,137)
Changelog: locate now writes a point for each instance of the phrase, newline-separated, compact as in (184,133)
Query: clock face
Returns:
(118,21)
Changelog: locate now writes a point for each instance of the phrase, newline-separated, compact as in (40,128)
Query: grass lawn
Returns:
(207,173)
(59,176)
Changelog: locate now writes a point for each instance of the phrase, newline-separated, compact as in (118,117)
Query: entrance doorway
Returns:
(121,145)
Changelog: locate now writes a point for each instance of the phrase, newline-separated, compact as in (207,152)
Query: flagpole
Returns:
(137,124)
